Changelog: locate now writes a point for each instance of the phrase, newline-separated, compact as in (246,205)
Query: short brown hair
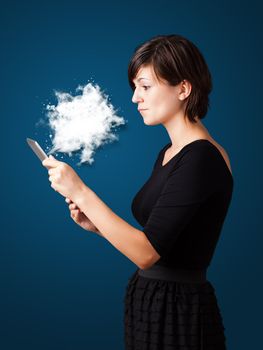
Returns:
(175,58)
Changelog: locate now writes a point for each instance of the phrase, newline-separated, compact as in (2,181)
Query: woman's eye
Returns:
(145,87)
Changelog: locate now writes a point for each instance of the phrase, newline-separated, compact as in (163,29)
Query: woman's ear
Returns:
(185,89)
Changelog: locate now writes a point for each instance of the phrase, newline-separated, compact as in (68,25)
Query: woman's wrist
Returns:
(81,196)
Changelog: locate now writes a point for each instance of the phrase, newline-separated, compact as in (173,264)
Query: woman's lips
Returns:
(142,109)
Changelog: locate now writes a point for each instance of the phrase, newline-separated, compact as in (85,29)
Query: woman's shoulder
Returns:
(206,148)
(223,153)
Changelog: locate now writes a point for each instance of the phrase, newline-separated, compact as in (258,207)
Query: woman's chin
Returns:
(149,121)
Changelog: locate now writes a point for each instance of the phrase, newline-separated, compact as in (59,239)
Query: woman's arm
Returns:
(127,239)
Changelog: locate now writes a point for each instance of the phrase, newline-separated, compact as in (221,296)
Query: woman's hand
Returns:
(63,178)
(80,218)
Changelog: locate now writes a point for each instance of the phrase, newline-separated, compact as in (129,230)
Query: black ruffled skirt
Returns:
(171,315)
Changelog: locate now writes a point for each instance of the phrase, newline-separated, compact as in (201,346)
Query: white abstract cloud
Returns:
(83,122)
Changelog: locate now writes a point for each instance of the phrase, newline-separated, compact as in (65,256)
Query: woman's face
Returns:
(157,101)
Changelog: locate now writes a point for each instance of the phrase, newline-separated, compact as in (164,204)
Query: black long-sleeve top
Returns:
(183,205)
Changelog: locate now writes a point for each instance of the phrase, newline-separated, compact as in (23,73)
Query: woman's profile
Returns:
(169,303)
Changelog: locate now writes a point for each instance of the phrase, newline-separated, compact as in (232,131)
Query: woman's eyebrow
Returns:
(141,79)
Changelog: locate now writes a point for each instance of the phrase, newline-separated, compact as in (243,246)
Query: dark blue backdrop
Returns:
(63,287)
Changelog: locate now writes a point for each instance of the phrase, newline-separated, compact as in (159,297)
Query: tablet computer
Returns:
(37,149)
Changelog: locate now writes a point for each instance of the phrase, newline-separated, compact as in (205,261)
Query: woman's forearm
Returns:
(127,239)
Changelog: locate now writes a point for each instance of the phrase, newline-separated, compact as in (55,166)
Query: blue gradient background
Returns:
(62,287)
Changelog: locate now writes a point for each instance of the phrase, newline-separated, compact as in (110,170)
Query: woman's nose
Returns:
(136,98)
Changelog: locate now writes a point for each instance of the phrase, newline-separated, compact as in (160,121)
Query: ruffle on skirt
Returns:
(169,315)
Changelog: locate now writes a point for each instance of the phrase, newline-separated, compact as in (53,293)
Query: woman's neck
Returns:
(181,131)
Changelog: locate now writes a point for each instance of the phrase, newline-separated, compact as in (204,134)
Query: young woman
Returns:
(169,303)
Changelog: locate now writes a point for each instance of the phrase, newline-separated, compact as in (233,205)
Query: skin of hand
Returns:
(65,181)
(80,218)
(130,241)
(63,178)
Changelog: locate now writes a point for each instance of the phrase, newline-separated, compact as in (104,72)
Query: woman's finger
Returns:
(72,206)
(74,214)
(50,162)
(68,200)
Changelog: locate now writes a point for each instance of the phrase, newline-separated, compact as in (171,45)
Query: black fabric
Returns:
(168,315)
(182,208)
(171,274)
(183,205)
